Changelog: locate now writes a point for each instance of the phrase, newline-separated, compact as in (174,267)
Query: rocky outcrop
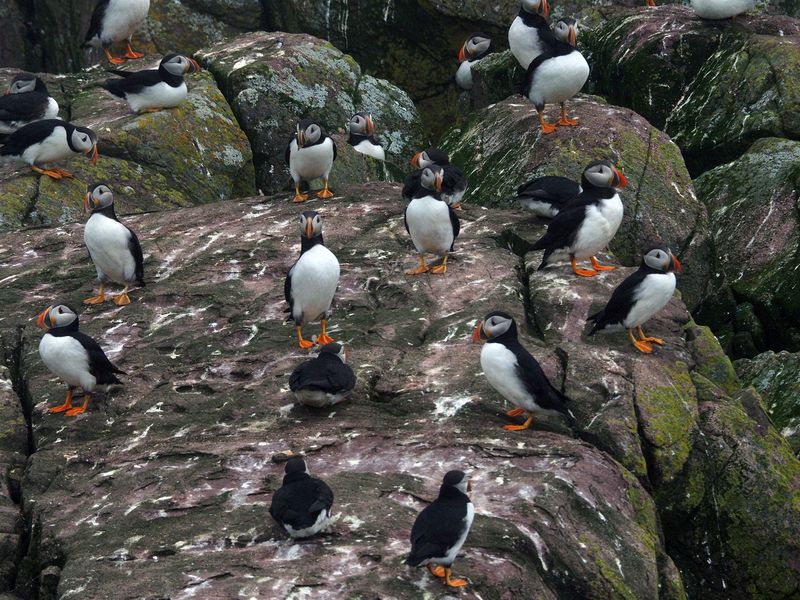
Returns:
(273,80)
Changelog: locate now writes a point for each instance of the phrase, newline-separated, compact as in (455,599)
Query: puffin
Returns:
(529,34)
(454,184)
(442,528)
(73,357)
(721,9)
(325,380)
(546,196)
(361,129)
(312,281)
(640,296)
(477,46)
(48,141)
(114,21)
(589,222)
(153,90)
(512,371)
(302,505)
(431,223)
(310,154)
(27,100)
(113,247)
(556,75)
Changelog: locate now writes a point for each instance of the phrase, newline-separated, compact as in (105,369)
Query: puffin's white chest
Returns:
(524,42)
(558,79)
(51,111)
(593,235)
(653,294)
(429,224)
(370,149)
(51,149)
(123,18)
(315,277)
(160,95)
(612,210)
(66,358)
(464,74)
(107,241)
(721,9)
(499,365)
(312,161)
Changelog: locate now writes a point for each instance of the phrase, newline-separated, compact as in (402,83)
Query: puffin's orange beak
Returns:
(676,265)
(308,229)
(461,54)
(544,8)
(43,322)
(95,153)
(573,37)
(301,139)
(439,180)
(370,125)
(477,335)
(622,181)
(469,485)
(193,67)
(86,202)
(415,160)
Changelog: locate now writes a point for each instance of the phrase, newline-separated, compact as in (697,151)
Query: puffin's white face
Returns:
(566,30)
(432,178)
(361,123)
(21,86)
(310,224)
(423,160)
(99,197)
(55,316)
(308,136)
(605,175)
(492,327)
(536,7)
(474,46)
(464,485)
(662,260)
(180,65)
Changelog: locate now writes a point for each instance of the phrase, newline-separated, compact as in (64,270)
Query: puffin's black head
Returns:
(57,316)
(428,157)
(83,140)
(295,465)
(98,196)
(603,174)
(334,349)
(309,132)
(566,30)
(495,325)
(536,7)
(477,46)
(458,480)
(178,64)
(310,224)
(26,82)
(362,124)
(432,178)
(661,259)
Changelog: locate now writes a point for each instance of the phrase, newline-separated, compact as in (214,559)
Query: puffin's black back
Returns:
(30,134)
(556,190)
(438,526)
(621,301)
(326,372)
(299,500)
(97,21)
(23,107)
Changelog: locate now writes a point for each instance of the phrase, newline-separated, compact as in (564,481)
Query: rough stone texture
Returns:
(193,154)
(752,203)
(273,80)
(14,47)
(501,147)
(776,376)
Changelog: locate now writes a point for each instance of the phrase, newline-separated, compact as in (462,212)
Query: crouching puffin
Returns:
(431,223)
(546,196)
(454,184)
(27,100)
(312,281)
(442,528)
(41,143)
(325,380)
(512,371)
(113,247)
(114,21)
(640,297)
(721,9)
(310,154)
(589,222)
(477,46)
(529,34)
(302,505)
(73,356)
(361,129)
(153,90)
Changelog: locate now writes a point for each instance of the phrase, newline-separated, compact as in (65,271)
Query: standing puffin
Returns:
(529,34)
(512,371)
(589,222)
(546,196)
(310,154)
(325,380)
(153,90)
(113,247)
(49,141)
(454,184)
(477,46)
(26,101)
(640,297)
(442,528)
(312,281)
(556,75)
(721,9)
(431,223)
(73,356)
(302,505)
(114,21)
(361,138)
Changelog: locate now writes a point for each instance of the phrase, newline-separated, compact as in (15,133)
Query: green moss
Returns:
(712,362)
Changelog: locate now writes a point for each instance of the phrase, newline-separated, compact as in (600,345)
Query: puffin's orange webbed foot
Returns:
(324,194)
(51,173)
(99,299)
(647,338)
(450,581)
(131,53)
(66,406)
(422,268)
(305,344)
(113,59)
(436,570)
(440,269)
(122,299)
(80,409)
(525,425)
(515,412)
(641,346)
(62,172)
(324,339)
(598,267)
(300,198)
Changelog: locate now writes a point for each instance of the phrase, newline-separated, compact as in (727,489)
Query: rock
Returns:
(194,154)
(776,376)
(293,76)
(498,150)
(752,207)
(14,47)
(495,78)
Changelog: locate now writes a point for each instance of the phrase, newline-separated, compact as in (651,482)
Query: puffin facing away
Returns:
(325,380)
(454,183)
(721,9)
(529,34)
(477,46)
(310,154)
(641,296)
(442,528)
(512,371)
(113,247)
(41,143)
(312,281)
(153,90)
(361,129)
(73,356)
(26,101)
(589,222)
(546,196)
(302,505)
(114,21)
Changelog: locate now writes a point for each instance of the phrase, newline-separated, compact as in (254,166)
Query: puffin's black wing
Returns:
(553,189)
(288,152)
(536,382)
(136,251)
(26,136)
(562,229)
(299,503)
(556,48)
(99,365)
(456,226)
(22,107)
(453,180)
(436,529)
(411,184)
(405,221)
(287,293)
(620,304)
(329,375)
(132,82)
(96,23)
(334,147)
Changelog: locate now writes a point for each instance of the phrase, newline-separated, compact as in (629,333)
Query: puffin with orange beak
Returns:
(640,297)
(454,183)
(154,90)
(361,129)
(310,154)
(529,34)
(27,100)
(477,46)
(73,357)
(514,373)
(589,222)
(42,143)
(431,223)
(113,247)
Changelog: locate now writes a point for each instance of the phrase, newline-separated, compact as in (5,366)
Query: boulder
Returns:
(501,147)
(193,154)
(273,80)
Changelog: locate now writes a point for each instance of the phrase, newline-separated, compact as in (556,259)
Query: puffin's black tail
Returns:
(114,86)
(599,321)
(564,400)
